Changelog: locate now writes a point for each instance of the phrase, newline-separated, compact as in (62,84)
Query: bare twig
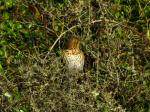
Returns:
(59,37)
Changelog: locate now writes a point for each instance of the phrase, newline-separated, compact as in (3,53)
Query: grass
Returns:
(115,40)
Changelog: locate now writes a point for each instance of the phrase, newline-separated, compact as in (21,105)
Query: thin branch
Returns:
(59,37)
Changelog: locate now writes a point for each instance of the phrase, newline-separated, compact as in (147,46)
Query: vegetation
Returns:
(115,38)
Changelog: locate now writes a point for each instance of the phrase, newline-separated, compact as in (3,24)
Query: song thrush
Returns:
(73,56)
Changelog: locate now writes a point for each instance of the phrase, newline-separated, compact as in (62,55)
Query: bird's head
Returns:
(74,43)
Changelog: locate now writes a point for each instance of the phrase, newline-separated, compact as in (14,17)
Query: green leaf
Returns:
(19,55)
(9,3)
(19,26)
(147,11)
(148,34)
(1,68)
(6,15)
(3,42)
(2,52)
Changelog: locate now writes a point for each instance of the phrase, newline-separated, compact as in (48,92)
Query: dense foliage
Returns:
(115,38)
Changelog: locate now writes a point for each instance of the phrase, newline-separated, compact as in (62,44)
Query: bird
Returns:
(73,56)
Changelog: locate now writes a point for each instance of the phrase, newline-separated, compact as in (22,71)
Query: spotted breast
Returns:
(73,56)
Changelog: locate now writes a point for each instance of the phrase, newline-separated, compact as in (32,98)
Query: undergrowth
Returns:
(115,39)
